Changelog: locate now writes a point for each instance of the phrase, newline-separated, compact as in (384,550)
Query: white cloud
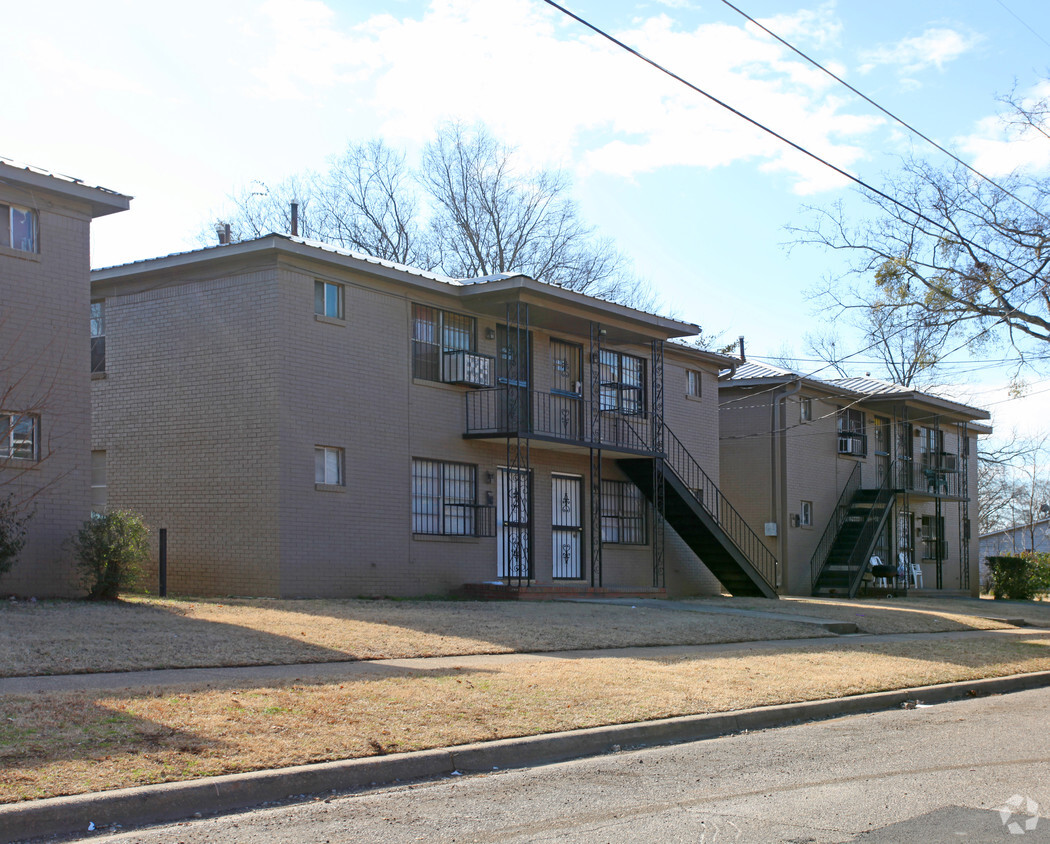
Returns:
(818,26)
(546,84)
(934,48)
(998,146)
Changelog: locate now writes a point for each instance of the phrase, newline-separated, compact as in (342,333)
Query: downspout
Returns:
(781,484)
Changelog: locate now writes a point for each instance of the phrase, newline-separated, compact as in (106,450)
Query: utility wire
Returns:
(885,111)
(1023,23)
(797,147)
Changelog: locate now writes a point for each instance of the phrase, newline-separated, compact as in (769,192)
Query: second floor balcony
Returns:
(557,418)
(938,476)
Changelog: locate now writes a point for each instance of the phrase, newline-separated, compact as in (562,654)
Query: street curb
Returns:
(168,802)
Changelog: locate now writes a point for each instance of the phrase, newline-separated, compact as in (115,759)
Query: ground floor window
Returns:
(805,515)
(444,497)
(19,436)
(623,513)
(934,545)
(98,482)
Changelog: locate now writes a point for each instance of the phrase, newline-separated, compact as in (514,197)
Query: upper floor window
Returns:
(328,466)
(19,436)
(805,409)
(18,228)
(693,384)
(328,299)
(443,348)
(98,336)
(622,382)
(852,437)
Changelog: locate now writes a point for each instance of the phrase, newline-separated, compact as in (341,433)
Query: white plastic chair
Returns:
(916,575)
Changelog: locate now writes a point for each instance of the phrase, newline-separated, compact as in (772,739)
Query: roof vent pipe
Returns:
(295,218)
(743,357)
(222,232)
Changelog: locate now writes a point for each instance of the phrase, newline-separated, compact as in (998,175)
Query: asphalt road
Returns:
(930,774)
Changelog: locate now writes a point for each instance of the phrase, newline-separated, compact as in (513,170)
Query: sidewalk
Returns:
(263,674)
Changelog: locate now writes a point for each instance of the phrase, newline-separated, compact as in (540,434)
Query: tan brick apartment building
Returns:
(309,421)
(45,446)
(838,472)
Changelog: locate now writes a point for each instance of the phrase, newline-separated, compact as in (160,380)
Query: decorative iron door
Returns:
(514,376)
(513,507)
(566,405)
(567,526)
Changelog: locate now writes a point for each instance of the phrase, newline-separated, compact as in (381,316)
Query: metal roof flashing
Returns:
(102,201)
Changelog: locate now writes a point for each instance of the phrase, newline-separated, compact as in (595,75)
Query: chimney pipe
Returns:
(742,356)
(295,218)
(226,233)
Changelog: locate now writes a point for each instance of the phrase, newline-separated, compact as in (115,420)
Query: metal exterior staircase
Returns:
(706,521)
(842,555)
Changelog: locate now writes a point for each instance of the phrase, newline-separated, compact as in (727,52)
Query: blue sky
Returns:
(181,104)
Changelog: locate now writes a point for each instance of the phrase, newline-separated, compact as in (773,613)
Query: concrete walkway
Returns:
(264,674)
(832,626)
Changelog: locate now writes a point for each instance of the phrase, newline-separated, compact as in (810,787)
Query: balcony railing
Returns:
(929,477)
(556,416)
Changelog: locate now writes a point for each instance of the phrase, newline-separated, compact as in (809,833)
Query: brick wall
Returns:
(44,368)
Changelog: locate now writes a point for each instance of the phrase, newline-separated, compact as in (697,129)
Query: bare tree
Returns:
(904,337)
(959,256)
(484,214)
(968,253)
(366,202)
(1013,483)
(492,218)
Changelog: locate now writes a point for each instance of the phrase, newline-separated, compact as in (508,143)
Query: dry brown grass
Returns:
(76,742)
(71,637)
(887,615)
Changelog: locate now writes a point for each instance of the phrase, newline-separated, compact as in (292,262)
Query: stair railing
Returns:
(838,517)
(857,561)
(733,525)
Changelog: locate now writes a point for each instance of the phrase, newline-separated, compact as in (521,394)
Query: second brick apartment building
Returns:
(308,421)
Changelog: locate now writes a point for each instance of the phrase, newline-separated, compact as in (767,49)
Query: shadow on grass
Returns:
(38,732)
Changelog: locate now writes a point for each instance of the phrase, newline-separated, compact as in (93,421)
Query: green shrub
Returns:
(1020,577)
(13,521)
(110,550)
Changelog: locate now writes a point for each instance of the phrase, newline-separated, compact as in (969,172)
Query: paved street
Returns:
(929,774)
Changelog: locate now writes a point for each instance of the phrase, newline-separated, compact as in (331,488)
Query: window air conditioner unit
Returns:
(467,368)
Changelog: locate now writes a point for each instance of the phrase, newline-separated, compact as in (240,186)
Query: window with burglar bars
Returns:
(444,497)
(435,332)
(98,336)
(623,513)
(934,545)
(622,383)
(852,437)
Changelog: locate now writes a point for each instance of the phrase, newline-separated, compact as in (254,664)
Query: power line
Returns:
(885,111)
(1023,23)
(797,147)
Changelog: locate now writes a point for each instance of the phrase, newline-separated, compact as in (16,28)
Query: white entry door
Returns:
(567,526)
(513,507)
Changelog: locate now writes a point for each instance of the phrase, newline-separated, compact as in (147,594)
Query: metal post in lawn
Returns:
(164,562)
